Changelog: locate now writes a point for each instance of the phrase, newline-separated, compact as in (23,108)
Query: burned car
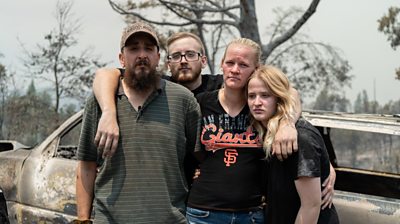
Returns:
(38,183)
(365,151)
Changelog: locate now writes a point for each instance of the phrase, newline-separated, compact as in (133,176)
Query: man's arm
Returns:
(192,129)
(309,191)
(329,191)
(285,141)
(85,177)
(105,85)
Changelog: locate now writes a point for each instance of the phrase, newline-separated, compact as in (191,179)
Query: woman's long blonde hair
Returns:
(278,84)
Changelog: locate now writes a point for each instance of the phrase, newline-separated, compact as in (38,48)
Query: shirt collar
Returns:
(160,89)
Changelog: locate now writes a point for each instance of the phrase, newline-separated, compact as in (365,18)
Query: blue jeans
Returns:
(198,216)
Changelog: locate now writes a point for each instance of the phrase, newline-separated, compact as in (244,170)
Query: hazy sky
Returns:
(348,25)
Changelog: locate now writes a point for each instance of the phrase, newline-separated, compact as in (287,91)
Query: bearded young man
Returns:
(143,182)
(186,59)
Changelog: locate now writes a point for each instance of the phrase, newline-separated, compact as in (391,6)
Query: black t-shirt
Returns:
(231,174)
(209,83)
(311,160)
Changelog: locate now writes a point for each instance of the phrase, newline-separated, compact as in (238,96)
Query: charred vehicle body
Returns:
(365,151)
(37,185)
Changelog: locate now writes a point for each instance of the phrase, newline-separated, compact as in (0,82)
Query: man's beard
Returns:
(185,77)
(142,80)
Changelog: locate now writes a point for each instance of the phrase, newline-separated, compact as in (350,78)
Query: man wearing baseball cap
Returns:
(139,27)
(159,123)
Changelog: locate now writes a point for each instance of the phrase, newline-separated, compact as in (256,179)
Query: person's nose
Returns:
(142,54)
(183,58)
(235,69)
(257,101)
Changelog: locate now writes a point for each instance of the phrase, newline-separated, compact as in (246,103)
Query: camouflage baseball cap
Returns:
(138,27)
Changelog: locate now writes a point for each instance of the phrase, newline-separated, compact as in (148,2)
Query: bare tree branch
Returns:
(268,48)
(225,10)
(122,11)
(309,44)
(206,8)
(189,22)
(282,20)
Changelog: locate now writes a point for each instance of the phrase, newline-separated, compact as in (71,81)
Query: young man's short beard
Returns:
(183,79)
(142,82)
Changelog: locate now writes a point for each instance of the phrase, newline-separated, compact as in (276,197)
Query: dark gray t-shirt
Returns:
(311,160)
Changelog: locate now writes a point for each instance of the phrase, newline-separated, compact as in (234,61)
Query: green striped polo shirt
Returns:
(144,181)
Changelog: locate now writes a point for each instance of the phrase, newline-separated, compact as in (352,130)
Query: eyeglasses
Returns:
(189,56)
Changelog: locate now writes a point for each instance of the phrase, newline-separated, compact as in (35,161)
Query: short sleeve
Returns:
(87,150)
(193,119)
(309,154)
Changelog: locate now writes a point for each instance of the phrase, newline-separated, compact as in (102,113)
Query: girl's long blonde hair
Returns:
(278,84)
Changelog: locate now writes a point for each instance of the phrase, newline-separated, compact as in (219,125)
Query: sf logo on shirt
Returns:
(230,156)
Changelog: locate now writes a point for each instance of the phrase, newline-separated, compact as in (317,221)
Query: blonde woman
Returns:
(294,185)
(230,187)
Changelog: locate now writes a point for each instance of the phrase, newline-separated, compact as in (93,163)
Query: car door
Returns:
(46,185)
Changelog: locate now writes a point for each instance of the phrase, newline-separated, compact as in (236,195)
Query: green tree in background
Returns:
(358,105)
(331,102)
(25,120)
(5,81)
(363,104)
(389,24)
(30,118)
(3,92)
(392,107)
